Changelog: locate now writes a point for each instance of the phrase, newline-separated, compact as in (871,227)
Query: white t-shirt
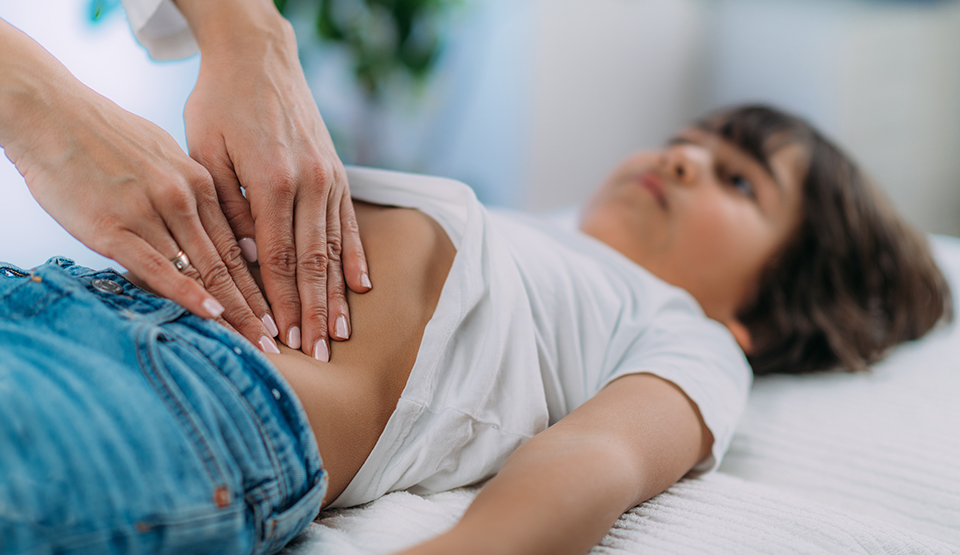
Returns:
(532,321)
(160,28)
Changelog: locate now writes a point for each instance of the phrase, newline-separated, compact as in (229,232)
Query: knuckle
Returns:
(334,251)
(178,200)
(316,313)
(251,293)
(337,294)
(287,299)
(233,257)
(283,184)
(216,279)
(323,172)
(350,226)
(314,265)
(281,259)
(200,181)
(206,193)
(182,289)
(153,267)
(193,274)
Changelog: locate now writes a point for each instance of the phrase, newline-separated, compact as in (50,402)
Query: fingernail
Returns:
(271,325)
(249,249)
(293,338)
(320,351)
(365,280)
(341,327)
(268,346)
(213,308)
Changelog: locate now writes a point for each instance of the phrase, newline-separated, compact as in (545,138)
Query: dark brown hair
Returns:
(853,280)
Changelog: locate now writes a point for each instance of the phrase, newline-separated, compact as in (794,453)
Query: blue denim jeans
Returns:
(128,425)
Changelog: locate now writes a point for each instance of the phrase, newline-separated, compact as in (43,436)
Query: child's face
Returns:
(701,214)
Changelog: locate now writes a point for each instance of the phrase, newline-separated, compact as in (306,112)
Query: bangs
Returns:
(759,131)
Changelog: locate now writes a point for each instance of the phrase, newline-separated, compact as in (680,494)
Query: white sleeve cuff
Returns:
(160,28)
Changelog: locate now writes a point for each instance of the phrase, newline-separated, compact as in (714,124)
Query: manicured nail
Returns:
(249,249)
(341,327)
(270,324)
(268,346)
(213,308)
(365,280)
(293,338)
(320,351)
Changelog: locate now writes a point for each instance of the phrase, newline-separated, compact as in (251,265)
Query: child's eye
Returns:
(743,185)
(736,180)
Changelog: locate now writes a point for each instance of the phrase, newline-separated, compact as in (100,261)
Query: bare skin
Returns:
(350,399)
(123,187)
(631,441)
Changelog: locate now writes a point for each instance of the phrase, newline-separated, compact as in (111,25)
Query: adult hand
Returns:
(123,187)
(253,124)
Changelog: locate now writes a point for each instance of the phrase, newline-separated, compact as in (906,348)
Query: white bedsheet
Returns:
(842,463)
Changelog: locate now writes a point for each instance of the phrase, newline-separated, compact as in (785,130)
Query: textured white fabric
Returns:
(160,28)
(532,321)
(885,444)
(820,464)
(715,513)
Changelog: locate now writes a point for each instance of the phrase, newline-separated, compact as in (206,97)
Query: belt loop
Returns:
(61,261)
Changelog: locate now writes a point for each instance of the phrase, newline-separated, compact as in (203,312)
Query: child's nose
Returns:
(678,163)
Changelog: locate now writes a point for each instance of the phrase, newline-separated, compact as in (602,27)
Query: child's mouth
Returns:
(652,183)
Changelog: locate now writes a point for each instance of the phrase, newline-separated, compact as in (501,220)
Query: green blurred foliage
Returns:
(384,38)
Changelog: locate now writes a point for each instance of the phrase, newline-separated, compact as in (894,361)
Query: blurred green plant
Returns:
(384,38)
(98,10)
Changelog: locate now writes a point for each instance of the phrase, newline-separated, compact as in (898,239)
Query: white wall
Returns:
(882,78)
(610,76)
(107,58)
(471,122)
(537,99)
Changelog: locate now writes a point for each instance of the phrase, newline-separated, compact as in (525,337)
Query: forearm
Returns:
(228,25)
(552,497)
(563,490)
(33,85)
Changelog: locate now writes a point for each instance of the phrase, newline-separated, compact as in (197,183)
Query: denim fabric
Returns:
(128,425)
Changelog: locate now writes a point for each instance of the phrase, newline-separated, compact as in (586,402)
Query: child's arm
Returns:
(563,490)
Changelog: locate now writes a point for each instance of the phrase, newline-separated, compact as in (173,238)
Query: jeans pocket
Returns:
(280,528)
(186,397)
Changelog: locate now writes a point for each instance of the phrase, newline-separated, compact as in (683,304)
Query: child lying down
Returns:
(581,373)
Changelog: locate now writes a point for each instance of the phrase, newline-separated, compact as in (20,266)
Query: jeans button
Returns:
(107,286)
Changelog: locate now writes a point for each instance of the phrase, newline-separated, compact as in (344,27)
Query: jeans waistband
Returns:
(289,506)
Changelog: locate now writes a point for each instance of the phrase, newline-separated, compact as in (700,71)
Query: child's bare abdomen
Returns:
(350,399)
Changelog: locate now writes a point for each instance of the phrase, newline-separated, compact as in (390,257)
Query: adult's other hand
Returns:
(253,124)
(122,186)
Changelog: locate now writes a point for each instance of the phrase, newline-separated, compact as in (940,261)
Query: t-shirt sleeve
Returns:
(160,28)
(701,357)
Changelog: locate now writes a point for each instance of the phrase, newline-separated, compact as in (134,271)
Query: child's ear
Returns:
(741,334)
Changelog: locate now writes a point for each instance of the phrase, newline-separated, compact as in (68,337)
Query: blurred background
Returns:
(531,102)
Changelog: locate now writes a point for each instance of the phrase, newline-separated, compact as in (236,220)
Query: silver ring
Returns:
(180,262)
